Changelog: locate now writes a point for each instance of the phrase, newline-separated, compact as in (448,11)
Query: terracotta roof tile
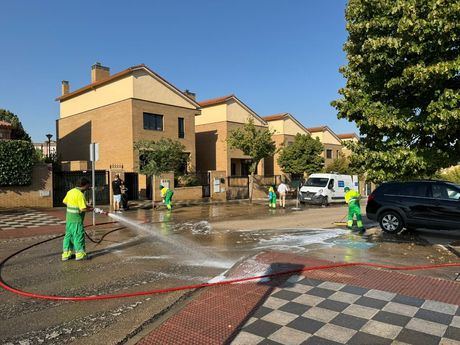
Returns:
(347,135)
(275,117)
(214,101)
(317,129)
(99,83)
(5,124)
(116,76)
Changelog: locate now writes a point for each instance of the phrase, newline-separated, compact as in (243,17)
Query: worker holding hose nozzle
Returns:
(352,199)
(74,239)
(167,195)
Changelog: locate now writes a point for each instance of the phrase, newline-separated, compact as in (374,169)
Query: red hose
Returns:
(226,282)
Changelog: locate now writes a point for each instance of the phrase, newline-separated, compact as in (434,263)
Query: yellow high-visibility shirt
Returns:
(76,203)
(352,195)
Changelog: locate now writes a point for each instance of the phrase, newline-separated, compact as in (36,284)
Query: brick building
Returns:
(331,142)
(285,127)
(118,110)
(5,130)
(347,137)
(219,116)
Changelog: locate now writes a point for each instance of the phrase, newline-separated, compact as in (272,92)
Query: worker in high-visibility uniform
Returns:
(167,195)
(354,210)
(271,198)
(74,239)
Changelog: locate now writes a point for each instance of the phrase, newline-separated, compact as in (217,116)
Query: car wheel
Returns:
(391,222)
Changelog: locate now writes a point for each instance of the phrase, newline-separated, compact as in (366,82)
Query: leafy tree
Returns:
(159,157)
(340,165)
(403,86)
(302,156)
(17,158)
(17,132)
(452,174)
(256,143)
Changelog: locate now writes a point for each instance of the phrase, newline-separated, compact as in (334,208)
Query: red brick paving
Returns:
(216,316)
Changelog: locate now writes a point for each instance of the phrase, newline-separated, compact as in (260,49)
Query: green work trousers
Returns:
(168,199)
(354,210)
(74,239)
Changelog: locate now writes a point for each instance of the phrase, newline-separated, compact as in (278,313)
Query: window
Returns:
(328,153)
(440,191)
(153,122)
(181,127)
(317,182)
(413,189)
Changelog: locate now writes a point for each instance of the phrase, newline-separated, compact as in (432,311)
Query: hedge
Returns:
(17,158)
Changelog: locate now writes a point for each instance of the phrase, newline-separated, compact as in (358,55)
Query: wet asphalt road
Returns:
(162,249)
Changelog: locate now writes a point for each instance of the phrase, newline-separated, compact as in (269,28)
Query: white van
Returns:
(324,189)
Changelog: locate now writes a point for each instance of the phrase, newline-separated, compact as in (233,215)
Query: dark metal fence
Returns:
(63,181)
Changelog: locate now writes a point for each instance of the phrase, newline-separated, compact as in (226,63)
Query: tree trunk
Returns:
(251,186)
(154,180)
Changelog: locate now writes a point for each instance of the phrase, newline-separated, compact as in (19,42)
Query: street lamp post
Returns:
(49,136)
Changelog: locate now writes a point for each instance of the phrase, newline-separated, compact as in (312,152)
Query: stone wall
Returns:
(38,194)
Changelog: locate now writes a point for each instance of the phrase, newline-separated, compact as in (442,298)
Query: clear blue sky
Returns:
(277,56)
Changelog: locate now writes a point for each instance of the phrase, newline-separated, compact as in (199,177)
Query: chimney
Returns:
(65,87)
(99,72)
(190,94)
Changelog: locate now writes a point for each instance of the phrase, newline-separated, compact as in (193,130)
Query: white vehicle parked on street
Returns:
(324,189)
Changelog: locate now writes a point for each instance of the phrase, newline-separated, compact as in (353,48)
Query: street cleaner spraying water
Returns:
(74,239)
(166,195)
(354,210)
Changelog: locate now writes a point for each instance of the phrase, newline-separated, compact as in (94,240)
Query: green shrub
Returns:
(17,158)
(452,175)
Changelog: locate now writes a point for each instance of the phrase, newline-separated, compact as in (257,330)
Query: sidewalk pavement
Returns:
(347,305)
(27,222)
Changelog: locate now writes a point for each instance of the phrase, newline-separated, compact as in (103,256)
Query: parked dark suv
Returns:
(415,204)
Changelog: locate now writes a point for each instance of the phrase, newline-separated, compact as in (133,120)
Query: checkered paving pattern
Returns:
(26,218)
(309,311)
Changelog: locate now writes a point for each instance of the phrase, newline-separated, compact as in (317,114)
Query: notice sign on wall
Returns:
(216,185)
(164,183)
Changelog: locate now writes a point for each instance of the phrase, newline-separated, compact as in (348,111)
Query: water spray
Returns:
(100,211)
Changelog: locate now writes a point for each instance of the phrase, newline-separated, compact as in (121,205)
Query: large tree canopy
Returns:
(302,156)
(403,85)
(255,142)
(17,132)
(159,157)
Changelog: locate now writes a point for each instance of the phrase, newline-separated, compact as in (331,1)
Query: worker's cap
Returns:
(346,189)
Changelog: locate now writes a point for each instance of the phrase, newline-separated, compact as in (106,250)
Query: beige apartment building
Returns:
(219,116)
(119,109)
(5,130)
(347,137)
(331,142)
(285,127)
